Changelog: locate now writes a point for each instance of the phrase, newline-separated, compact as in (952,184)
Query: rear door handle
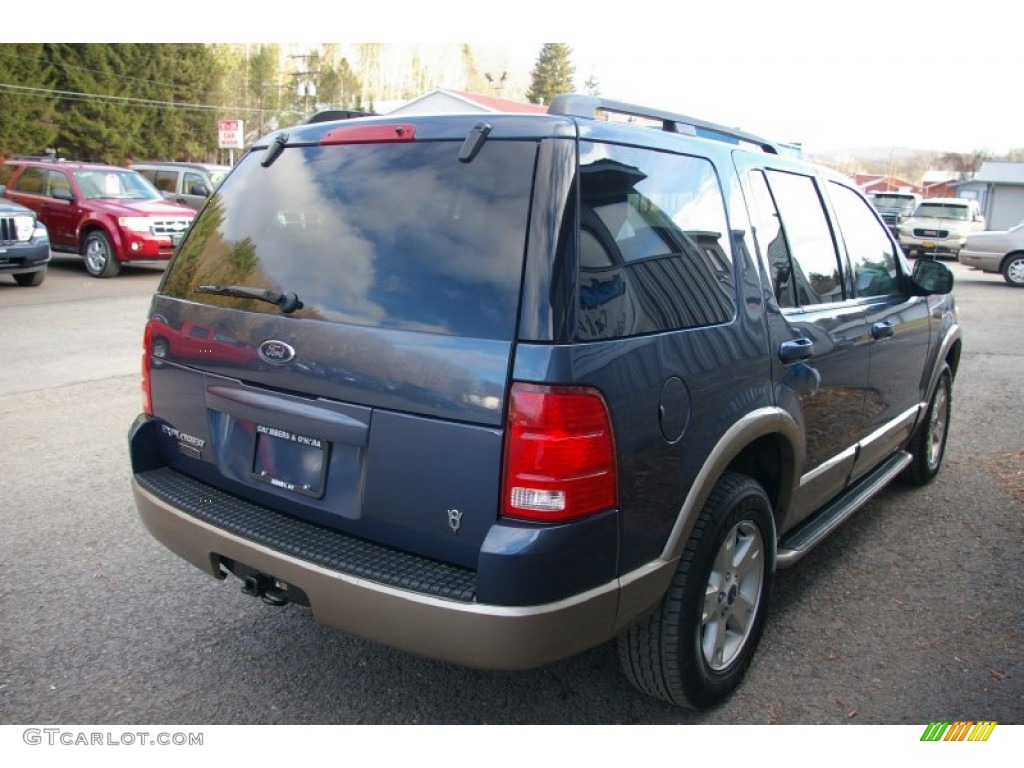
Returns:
(882,330)
(797,349)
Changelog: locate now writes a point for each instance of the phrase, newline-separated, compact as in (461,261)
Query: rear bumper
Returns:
(462,632)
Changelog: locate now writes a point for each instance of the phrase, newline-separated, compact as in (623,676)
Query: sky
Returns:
(837,75)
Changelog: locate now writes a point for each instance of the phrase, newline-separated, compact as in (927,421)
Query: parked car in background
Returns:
(188,184)
(108,215)
(893,207)
(939,226)
(24,243)
(999,251)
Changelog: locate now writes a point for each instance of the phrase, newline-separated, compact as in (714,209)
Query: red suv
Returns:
(109,215)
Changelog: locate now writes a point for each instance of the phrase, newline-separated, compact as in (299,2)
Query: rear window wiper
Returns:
(288,302)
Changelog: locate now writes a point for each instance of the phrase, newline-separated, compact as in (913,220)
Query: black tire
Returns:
(100,259)
(695,648)
(30,278)
(928,443)
(1013,270)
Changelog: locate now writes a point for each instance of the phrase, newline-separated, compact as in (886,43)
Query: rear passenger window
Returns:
(31,181)
(654,250)
(166,181)
(812,251)
(868,244)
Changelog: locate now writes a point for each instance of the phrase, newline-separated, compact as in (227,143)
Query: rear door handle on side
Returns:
(882,330)
(795,350)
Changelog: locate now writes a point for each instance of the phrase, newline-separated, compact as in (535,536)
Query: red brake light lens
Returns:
(370,134)
(559,454)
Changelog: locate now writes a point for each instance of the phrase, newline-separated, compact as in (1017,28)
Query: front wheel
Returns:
(30,278)
(928,444)
(100,260)
(694,650)
(1013,270)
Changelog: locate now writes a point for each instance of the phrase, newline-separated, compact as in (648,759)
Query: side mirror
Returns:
(931,277)
(63,194)
(3,190)
(199,190)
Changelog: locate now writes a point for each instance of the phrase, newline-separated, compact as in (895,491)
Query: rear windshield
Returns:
(386,235)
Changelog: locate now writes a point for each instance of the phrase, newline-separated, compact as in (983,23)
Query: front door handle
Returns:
(795,350)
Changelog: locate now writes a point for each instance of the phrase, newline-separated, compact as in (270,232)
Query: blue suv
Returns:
(500,390)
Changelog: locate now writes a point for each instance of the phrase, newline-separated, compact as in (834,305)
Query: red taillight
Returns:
(147,389)
(559,454)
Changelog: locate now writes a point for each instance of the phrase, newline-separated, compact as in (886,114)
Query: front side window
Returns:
(868,245)
(654,251)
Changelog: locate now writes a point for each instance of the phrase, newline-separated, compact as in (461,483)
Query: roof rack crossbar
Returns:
(583,105)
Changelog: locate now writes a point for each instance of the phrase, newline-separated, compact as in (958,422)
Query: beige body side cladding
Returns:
(470,634)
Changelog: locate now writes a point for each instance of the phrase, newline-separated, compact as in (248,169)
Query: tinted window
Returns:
(192,180)
(32,181)
(772,240)
(165,181)
(654,250)
(868,245)
(809,238)
(57,181)
(393,235)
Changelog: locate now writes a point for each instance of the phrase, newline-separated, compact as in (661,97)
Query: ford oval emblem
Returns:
(276,352)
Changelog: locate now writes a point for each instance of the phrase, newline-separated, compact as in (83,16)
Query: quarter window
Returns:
(654,251)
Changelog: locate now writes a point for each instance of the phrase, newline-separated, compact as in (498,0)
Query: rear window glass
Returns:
(387,235)
(654,252)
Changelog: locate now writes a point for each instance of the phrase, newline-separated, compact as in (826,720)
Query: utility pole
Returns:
(306,80)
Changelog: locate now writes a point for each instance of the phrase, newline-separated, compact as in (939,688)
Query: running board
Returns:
(801,540)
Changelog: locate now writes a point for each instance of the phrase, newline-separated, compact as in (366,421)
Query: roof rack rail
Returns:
(583,105)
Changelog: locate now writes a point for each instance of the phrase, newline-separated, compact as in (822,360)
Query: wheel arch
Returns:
(763,445)
(96,225)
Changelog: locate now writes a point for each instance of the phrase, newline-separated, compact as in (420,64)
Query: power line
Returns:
(64,65)
(22,90)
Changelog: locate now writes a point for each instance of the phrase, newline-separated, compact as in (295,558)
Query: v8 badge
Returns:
(454,520)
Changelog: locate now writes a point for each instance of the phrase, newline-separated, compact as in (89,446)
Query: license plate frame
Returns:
(290,461)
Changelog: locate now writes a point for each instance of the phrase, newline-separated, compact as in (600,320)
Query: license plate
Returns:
(296,463)
(928,244)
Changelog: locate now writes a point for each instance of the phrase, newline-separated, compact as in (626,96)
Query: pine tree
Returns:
(28,114)
(552,74)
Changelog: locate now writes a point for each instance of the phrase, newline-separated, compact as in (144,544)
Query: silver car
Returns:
(997,251)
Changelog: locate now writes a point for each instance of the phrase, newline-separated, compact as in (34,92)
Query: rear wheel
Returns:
(928,444)
(100,260)
(31,278)
(1013,270)
(694,650)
